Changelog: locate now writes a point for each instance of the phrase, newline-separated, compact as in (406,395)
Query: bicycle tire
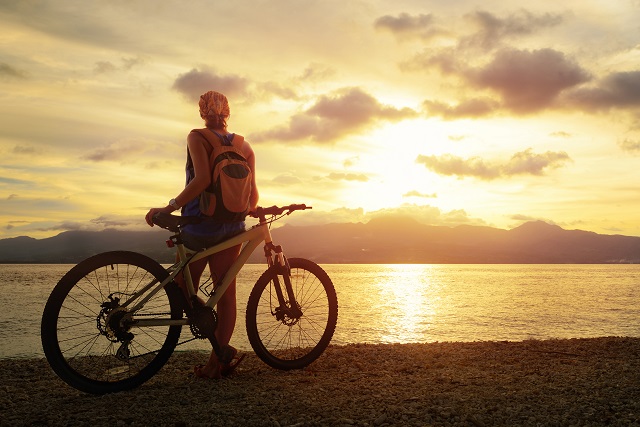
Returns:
(287,343)
(77,339)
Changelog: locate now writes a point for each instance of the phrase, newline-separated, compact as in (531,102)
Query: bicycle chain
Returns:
(152,352)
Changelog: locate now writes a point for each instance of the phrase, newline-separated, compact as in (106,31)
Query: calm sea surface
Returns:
(403,303)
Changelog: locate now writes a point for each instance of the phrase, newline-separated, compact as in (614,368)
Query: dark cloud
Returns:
(195,82)
(617,90)
(493,29)
(409,26)
(8,71)
(332,116)
(522,163)
(528,81)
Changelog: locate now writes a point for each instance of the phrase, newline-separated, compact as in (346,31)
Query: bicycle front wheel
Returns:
(287,337)
(85,333)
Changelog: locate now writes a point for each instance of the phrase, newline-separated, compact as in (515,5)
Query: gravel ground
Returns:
(577,382)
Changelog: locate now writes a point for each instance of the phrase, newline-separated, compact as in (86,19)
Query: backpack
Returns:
(227,197)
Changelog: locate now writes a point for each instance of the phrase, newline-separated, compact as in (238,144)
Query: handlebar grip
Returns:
(300,207)
(276,210)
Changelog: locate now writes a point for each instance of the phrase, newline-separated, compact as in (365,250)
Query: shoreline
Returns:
(587,381)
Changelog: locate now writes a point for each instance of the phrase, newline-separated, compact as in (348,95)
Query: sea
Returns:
(396,303)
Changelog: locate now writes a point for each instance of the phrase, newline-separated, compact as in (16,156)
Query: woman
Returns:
(214,110)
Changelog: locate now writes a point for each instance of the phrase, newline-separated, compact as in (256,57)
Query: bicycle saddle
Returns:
(174,222)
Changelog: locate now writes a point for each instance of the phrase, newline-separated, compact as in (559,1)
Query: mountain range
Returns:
(384,240)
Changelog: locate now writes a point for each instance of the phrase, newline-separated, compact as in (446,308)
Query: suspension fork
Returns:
(283,269)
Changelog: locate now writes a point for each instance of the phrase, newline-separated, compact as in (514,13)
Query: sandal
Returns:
(232,361)
(227,369)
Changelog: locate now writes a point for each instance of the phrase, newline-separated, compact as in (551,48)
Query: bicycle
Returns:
(115,318)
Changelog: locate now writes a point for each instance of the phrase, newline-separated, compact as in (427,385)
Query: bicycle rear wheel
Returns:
(280,337)
(83,338)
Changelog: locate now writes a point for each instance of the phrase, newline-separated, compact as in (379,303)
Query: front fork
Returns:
(275,258)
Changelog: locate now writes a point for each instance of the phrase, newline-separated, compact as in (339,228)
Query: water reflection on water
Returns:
(403,303)
(426,303)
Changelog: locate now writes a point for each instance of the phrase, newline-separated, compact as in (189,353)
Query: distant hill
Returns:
(382,240)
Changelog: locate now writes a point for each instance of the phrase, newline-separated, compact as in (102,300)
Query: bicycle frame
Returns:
(252,239)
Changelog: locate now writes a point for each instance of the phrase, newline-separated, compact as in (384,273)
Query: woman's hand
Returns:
(153,211)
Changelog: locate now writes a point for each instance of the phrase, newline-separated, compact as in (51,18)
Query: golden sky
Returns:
(485,113)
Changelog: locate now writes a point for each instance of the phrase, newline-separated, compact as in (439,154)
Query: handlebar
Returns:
(175,222)
(261,212)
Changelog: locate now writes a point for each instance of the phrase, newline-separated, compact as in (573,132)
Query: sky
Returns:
(487,113)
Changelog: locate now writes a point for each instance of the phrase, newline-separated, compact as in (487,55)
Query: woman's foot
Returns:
(207,371)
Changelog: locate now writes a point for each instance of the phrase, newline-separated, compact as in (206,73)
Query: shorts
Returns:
(201,236)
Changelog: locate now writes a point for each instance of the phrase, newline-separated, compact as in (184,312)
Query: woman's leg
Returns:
(226,309)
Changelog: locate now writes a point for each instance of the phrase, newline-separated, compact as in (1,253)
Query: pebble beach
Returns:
(574,382)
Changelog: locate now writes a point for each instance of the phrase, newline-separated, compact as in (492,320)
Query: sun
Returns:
(387,157)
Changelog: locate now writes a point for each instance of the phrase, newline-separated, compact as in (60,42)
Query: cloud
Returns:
(471,108)
(493,30)
(316,72)
(406,26)
(630,146)
(351,161)
(115,221)
(522,163)
(415,193)
(620,89)
(427,214)
(9,72)
(346,111)
(286,179)
(560,134)
(67,20)
(336,176)
(66,226)
(424,214)
(528,81)
(102,67)
(194,83)
(25,150)
(125,150)
(13,181)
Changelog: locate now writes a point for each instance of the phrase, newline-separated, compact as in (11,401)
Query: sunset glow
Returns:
(490,113)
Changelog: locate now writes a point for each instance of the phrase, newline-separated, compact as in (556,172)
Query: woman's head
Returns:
(214,109)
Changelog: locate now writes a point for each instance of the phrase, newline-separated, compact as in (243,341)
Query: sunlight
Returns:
(411,303)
